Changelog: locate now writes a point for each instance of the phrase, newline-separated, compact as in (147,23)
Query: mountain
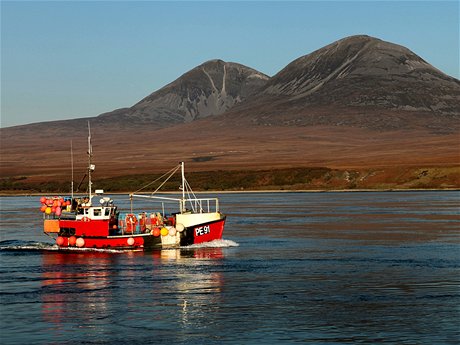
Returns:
(207,90)
(359,81)
(366,71)
(371,109)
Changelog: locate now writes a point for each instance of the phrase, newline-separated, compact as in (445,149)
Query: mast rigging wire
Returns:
(170,172)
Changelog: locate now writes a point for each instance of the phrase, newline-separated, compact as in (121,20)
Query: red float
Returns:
(60,241)
(72,241)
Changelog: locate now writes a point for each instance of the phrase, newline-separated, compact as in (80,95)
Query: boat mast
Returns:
(71,164)
(183,186)
(90,166)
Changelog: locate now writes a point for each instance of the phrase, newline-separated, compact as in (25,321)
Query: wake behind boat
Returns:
(94,221)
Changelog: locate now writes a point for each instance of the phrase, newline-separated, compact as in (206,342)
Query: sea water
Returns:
(314,268)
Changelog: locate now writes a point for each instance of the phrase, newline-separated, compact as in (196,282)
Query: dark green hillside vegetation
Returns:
(200,181)
(317,178)
(222,180)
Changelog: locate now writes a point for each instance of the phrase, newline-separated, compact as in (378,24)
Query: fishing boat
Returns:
(94,220)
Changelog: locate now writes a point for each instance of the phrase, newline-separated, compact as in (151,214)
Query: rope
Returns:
(171,172)
(189,190)
(161,185)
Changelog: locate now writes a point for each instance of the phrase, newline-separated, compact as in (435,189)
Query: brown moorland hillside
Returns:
(208,146)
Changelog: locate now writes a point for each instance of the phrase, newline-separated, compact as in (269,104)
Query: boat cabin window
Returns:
(107,211)
(97,212)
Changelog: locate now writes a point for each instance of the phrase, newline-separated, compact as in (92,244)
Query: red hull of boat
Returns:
(197,234)
(208,232)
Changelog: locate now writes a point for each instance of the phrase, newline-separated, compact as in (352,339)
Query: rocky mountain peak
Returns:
(358,81)
(350,57)
(208,89)
(366,71)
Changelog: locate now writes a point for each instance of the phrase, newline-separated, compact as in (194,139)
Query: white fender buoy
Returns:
(180,227)
(80,242)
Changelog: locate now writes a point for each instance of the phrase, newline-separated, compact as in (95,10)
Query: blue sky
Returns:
(69,59)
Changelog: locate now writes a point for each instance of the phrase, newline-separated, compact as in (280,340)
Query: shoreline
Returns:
(12,194)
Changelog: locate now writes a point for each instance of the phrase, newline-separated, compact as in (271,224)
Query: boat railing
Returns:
(205,205)
(195,205)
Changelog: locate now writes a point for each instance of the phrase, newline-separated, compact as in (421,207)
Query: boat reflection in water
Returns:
(102,292)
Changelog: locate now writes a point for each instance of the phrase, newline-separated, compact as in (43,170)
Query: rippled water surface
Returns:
(315,268)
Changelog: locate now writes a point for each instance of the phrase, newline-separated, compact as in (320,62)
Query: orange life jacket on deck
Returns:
(131,222)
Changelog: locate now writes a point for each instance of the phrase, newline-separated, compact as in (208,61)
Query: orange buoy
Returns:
(60,241)
(72,240)
(42,199)
(156,232)
(43,208)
